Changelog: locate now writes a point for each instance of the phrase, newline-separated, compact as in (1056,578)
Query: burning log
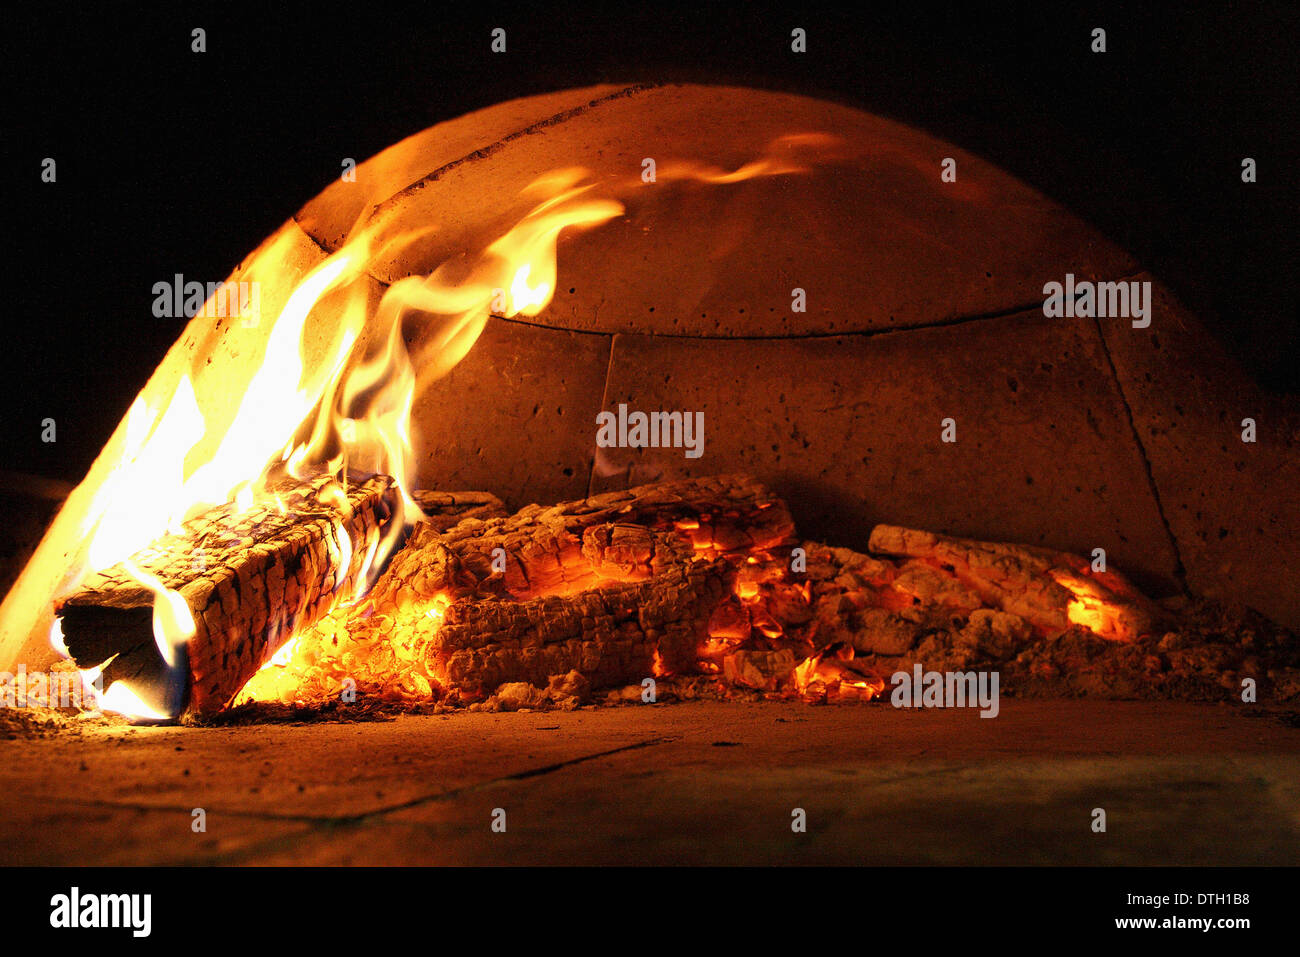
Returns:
(249,578)
(442,510)
(719,515)
(617,587)
(617,630)
(1049,589)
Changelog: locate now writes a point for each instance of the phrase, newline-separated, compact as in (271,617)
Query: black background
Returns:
(913,909)
(171,161)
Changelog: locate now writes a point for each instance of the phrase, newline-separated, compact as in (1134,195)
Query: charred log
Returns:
(1050,589)
(249,578)
(617,587)
(442,510)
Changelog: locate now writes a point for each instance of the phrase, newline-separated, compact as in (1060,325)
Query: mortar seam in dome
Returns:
(434,175)
(845,334)
(604,400)
(1180,570)
(779,337)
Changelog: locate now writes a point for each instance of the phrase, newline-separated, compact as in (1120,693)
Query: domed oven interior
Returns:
(626,396)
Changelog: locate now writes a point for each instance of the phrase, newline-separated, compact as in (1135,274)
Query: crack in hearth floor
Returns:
(344,822)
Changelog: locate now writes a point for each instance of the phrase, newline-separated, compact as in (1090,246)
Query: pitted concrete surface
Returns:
(1233,506)
(849,431)
(512,415)
(868,230)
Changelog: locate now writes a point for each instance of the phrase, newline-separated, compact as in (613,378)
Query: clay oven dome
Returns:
(924,302)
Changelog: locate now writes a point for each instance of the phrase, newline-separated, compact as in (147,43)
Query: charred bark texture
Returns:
(249,578)
(617,587)
(442,510)
(1049,589)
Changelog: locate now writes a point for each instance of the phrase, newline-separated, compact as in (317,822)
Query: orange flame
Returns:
(349,409)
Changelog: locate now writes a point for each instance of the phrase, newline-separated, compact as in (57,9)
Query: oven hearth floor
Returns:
(693,783)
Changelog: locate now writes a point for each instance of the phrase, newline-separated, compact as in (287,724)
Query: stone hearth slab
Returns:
(687,783)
